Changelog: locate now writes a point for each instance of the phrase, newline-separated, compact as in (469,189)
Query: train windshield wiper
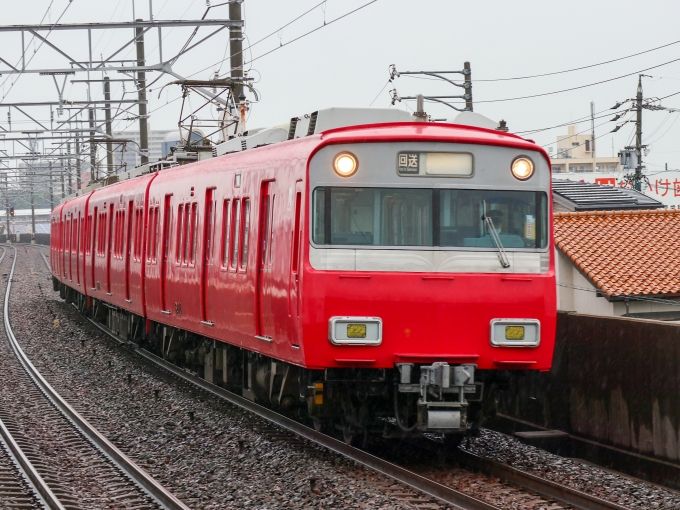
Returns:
(502,256)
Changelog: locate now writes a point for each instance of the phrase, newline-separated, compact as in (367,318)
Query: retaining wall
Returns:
(614,380)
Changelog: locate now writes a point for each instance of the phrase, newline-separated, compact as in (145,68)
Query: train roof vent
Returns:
(291,129)
(259,138)
(339,117)
(312,123)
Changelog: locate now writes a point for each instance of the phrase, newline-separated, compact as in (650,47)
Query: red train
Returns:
(376,278)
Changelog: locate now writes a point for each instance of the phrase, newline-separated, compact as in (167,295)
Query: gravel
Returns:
(212,454)
(621,489)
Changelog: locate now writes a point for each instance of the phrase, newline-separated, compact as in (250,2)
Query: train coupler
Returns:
(442,406)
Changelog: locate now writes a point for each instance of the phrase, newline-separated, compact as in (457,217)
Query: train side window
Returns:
(149,234)
(156,237)
(296,233)
(271,231)
(185,234)
(140,233)
(236,211)
(178,239)
(226,230)
(88,233)
(74,235)
(210,219)
(194,231)
(244,233)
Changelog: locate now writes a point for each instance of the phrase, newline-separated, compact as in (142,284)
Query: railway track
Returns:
(69,464)
(420,485)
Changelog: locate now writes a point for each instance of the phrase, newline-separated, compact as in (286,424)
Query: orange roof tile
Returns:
(624,253)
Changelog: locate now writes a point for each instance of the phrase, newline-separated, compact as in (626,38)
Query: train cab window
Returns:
(519,218)
(236,211)
(244,232)
(373,216)
(226,231)
(428,217)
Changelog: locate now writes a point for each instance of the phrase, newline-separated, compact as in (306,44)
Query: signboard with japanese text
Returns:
(408,163)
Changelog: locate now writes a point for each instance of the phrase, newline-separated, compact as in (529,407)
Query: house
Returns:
(619,262)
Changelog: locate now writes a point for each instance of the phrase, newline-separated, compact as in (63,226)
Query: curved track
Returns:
(141,478)
(459,500)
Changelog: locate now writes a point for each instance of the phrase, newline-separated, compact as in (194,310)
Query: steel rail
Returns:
(458,500)
(545,488)
(143,479)
(37,483)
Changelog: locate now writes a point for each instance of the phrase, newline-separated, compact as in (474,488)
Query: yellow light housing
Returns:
(522,168)
(345,164)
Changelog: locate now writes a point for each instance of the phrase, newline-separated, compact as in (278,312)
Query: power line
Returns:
(260,40)
(580,86)
(582,67)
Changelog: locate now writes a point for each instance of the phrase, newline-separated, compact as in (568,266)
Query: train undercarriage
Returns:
(355,403)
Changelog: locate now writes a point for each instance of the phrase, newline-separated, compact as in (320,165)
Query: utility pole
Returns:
(236,49)
(467,72)
(51,189)
(107,113)
(32,207)
(638,137)
(93,148)
(61,164)
(592,131)
(141,94)
(7,206)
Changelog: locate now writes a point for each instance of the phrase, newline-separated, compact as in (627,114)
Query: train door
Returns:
(78,246)
(206,258)
(294,287)
(109,249)
(165,247)
(128,248)
(69,229)
(265,319)
(93,245)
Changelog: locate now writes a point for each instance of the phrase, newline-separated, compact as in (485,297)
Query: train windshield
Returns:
(429,217)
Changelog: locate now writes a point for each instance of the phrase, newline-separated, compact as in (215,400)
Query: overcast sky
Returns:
(346,62)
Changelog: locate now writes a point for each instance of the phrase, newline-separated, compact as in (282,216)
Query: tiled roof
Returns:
(624,253)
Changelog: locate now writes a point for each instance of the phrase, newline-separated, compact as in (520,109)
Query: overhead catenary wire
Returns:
(581,67)
(578,87)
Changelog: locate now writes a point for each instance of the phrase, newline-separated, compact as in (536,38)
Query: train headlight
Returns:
(345,164)
(522,168)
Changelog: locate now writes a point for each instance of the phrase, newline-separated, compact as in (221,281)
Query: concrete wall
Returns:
(615,380)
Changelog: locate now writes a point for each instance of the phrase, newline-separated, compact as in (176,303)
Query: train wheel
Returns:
(320,425)
(353,436)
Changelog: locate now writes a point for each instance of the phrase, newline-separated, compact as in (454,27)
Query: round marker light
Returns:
(522,168)
(345,164)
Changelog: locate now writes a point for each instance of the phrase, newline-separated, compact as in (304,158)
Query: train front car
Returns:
(429,275)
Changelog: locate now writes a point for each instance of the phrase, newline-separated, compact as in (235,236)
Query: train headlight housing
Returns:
(522,168)
(345,164)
